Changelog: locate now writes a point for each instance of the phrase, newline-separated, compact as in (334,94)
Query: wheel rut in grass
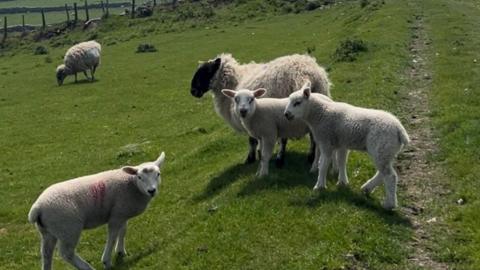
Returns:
(419,176)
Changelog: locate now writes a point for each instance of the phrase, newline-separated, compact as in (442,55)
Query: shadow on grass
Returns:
(223,180)
(358,199)
(122,263)
(79,82)
(295,167)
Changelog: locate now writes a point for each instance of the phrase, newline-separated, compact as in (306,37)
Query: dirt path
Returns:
(418,173)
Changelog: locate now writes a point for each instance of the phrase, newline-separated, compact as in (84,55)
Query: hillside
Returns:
(211,212)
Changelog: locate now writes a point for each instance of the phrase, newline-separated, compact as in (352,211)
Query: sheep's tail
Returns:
(34,215)
(403,136)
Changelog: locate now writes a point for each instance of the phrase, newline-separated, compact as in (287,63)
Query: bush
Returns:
(145,47)
(349,50)
(39,50)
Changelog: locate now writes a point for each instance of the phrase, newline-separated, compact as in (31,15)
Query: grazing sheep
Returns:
(263,119)
(80,58)
(64,209)
(340,126)
(281,76)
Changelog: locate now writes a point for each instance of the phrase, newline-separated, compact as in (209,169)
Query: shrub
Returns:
(145,47)
(39,50)
(349,50)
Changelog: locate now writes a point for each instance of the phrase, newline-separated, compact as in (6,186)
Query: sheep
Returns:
(64,209)
(80,58)
(263,119)
(281,76)
(340,126)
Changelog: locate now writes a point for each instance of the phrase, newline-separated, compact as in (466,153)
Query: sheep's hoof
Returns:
(318,188)
(250,159)
(313,169)
(279,162)
(107,265)
(122,254)
(342,184)
(261,174)
(366,191)
(389,205)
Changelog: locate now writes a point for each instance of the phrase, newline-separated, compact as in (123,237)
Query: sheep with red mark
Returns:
(112,197)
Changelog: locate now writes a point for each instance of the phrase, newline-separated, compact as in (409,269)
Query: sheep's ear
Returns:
(217,63)
(160,160)
(306,92)
(260,92)
(130,170)
(228,93)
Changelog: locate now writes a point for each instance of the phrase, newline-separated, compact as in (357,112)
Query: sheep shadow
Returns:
(79,82)
(358,199)
(296,167)
(122,263)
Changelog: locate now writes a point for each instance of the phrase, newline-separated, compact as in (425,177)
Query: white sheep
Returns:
(338,126)
(264,120)
(281,76)
(80,58)
(64,209)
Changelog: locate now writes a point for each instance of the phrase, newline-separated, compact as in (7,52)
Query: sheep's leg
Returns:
(86,75)
(48,246)
(267,149)
(341,157)
(280,160)
(335,161)
(120,247)
(312,153)
(93,72)
(390,181)
(252,142)
(314,167)
(113,233)
(372,183)
(67,251)
(325,159)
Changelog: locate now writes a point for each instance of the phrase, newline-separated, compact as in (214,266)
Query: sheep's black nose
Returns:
(288,115)
(152,191)
(243,112)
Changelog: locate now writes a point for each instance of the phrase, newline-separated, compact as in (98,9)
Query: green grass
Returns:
(52,133)
(456,103)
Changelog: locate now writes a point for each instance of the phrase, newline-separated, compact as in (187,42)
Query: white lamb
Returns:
(264,120)
(281,76)
(64,209)
(80,58)
(340,126)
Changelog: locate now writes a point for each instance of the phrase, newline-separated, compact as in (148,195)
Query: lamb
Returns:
(340,126)
(263,119)
(64,209)
(281,76)
(80,58)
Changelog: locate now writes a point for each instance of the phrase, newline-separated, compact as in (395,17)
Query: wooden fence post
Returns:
(44,23)
(4,29)
(107,12)
(87,16)
(103,8)
(76,13)
(23,23)
(133,9)
(68,15)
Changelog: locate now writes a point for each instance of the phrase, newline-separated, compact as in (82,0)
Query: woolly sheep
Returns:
(263,119)
(64,209)
(340,126)
(80,58)
(281,76)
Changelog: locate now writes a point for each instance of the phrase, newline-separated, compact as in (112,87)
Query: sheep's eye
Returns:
(237,99)
(250,100)
(139,177)
(296,103)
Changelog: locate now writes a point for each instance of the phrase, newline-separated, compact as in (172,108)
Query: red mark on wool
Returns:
(98,192)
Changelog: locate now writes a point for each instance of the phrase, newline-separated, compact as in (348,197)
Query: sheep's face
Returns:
(298,102)
(147,175)
(203,76)
(61,74)
(244,100)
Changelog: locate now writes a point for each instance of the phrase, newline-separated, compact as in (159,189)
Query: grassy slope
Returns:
(54,133)
(453,28)
(48,3)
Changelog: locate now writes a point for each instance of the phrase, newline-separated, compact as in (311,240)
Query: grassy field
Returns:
(52,133)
